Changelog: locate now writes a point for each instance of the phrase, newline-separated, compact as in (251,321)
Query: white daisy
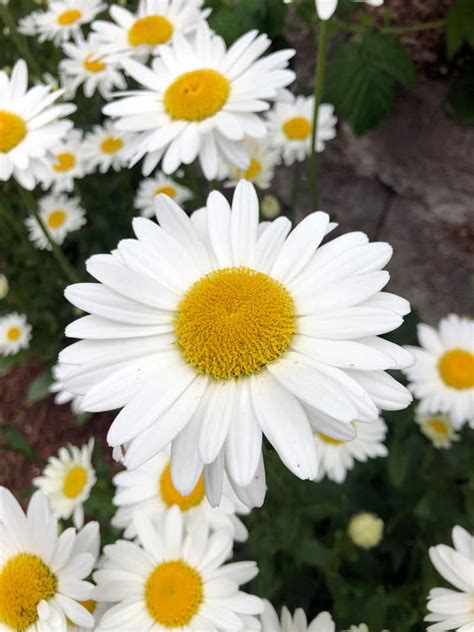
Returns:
(438,428)
(29,125)
(150,490)
(326,8)
(176,580)
(291,122)
(64,19)
(42,573)
(28,25)
(337,456)
(211,332)
(263,160)
(159,183)
(67,480)
(105,147)
(453,609)
(296,623)
(201,100)
(85,65)
(59,371)
(443,376)
(61,215)
(64,163)
(15,333)
(153,23)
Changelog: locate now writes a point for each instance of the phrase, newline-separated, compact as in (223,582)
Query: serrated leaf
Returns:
(459,26)
(39,387)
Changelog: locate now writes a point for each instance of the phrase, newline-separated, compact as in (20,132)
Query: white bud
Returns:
(270,207)
(366,530)
(4,287)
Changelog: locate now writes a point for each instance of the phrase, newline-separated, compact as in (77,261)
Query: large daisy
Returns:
(105,147)
(211,331)
(59,371)
(29,125)
(296,623)
(200,100)
(153,23)
(60,214)
(443,376)
(64,19)
(453,609)
(159,183)
(174,580)
(42,573)
(15,333)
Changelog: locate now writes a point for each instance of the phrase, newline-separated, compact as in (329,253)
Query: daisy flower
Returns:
(159,183)
(153,23)
(211,331)
(263,160)
(443,376)
(28,25)
(29,125)
(337,456)
(67,480)
(326,8)
(15,333)
(290,125)
(296,623)
(201,100)
(150,490)
(61,215)
(59,372)
(64,19)
(64,164)
(366,530)
(437,428)
(42,573)
(174,579)
(105,147)
(85,65)
(452,609)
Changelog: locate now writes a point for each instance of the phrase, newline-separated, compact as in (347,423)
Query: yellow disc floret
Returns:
(24,581)
(65,161)
(12,130)
(150,31)
(456,368)
(166,190)
(197,95)
(111,145)
(56,218)
(297,128)
(75,481)
(13,333)
(253,170)
(173,594)
(439,427)
(92,64)
(171,496)
(233,322)
(69,17)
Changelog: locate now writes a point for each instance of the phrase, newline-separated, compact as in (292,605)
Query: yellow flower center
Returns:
(197,95)
(456,368)
(111,145)
(56,218)
(171,496)
(297,128)
(65,161)
(13,333)
(173,594)
(254,169)
(233,322)
(92,64)
(150,31)
(12,130)
(24,581)
(328,439)
(75,481)
(167,190)
(440,427)
(69,17)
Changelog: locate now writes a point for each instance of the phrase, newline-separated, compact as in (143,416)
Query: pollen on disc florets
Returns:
(197,95)
(233,322)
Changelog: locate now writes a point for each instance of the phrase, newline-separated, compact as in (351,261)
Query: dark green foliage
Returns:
(460,101)
(459,26)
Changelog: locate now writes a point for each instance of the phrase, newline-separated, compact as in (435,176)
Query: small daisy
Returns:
(59,372)
(15,333)
(296,623)
(65,163)
(64,19)
(199,100)
(326,8)
(443,376)
(291,122)
(175,579)
(150,489)
(159,183)
(28,25)
(337,456)
(153,23)
(61,215)
(263,160)
(105,147)
(42,573)
(29,125)
(438,428)
(453,609)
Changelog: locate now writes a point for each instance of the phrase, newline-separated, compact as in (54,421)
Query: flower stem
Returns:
(295,189)
(21,44)
(318,89)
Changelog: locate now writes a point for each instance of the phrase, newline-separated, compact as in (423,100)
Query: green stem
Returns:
(295,188)
(21,44)
(318,89)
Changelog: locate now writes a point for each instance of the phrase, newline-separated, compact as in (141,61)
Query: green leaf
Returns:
(39,387)
(461,94)
(398,462)
(17,442)
(362,78)
(459,26)
(82,418)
